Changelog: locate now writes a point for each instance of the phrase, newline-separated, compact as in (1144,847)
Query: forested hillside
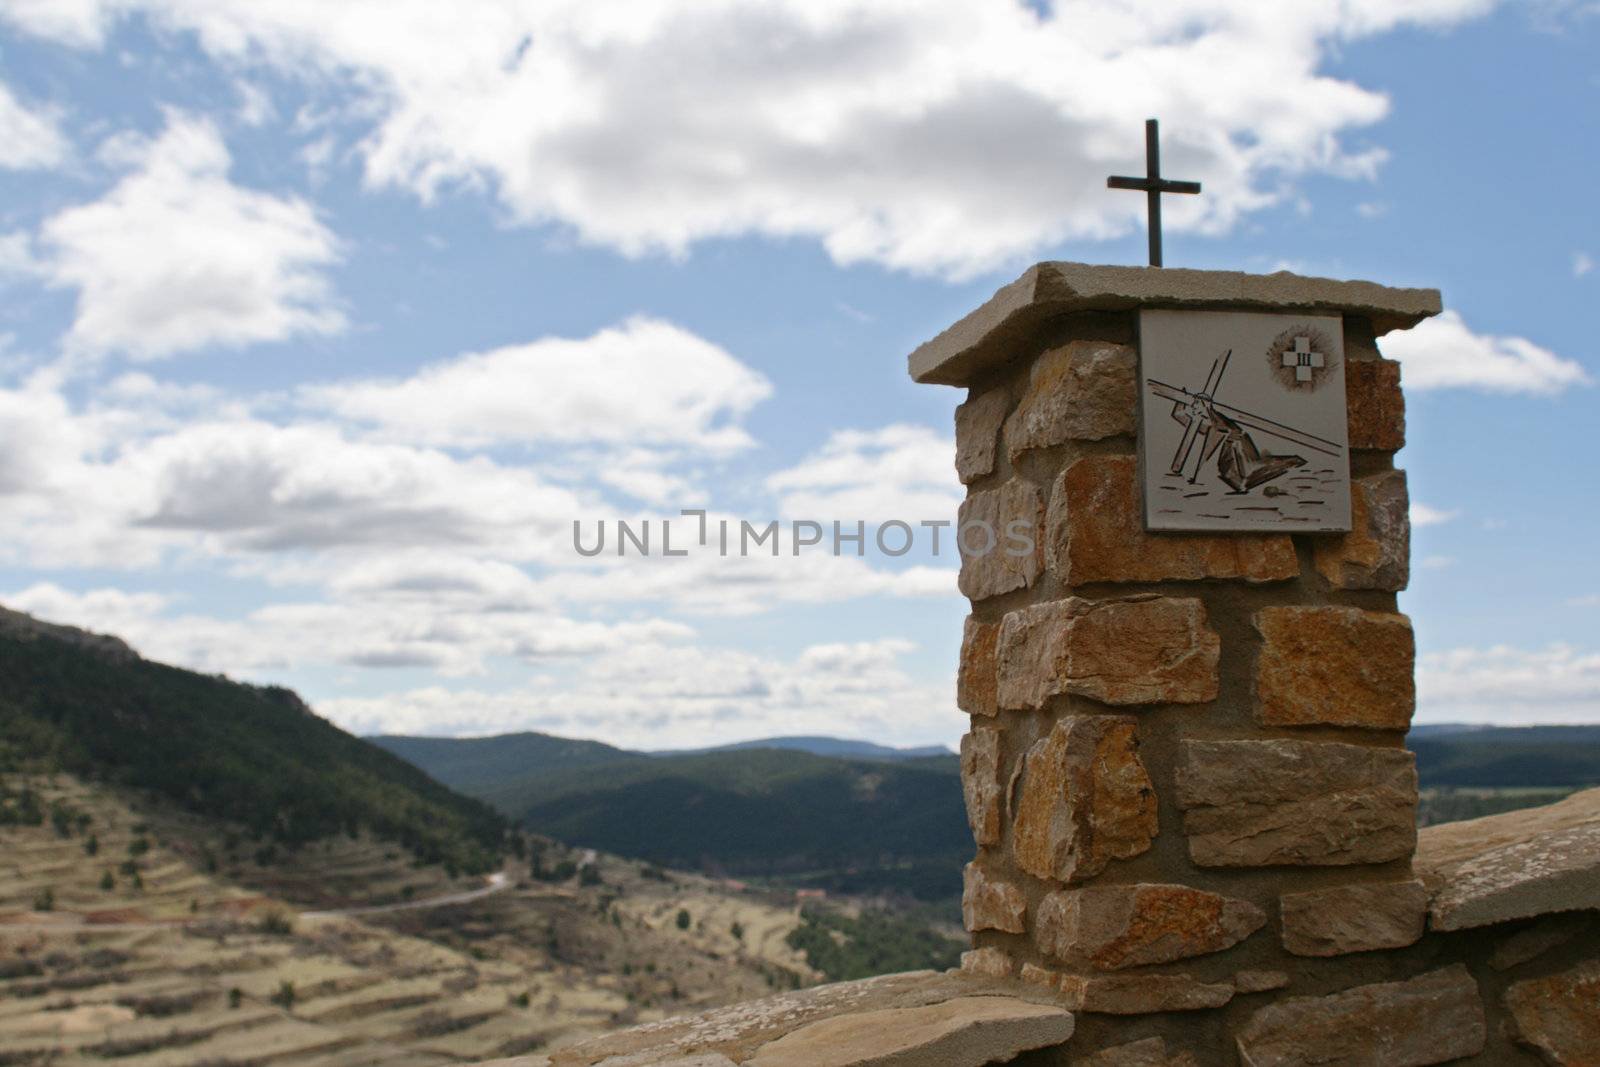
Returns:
(1510,757)
(849,825)
(863,825)
(255,756)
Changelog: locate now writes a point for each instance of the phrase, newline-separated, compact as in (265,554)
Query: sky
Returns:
(321,325)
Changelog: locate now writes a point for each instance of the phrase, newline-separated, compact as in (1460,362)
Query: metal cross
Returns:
(1303,360)
(1153,184)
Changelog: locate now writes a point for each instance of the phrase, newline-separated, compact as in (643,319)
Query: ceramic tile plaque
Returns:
(1242,422)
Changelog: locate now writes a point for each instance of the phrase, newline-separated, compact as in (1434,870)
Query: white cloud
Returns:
(1437,563)
(1423,515)
(1509,686)
(1582,263)
(642,384)
(931,135)
(149,472)
(30,138)
(76,22)
(640,682)
(255,486)
(176,257)
(16,255)
(1443,353)
(1592,600)
(255,104)
(106,611)
(659,696)
(706,582)
(407,628)
(900,472)
(1372,209)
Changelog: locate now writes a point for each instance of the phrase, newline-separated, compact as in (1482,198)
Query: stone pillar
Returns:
(1186,766)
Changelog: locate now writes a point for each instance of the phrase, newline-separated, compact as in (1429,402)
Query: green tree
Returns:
(684,918)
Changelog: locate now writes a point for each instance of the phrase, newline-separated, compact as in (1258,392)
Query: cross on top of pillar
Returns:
(1153,184)
(1303,359)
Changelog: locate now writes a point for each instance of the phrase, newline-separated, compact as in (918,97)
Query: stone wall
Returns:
(1185,773)
(1508,974)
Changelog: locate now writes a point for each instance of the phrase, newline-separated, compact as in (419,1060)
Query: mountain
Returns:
(848,825)
(255,755)
(475,762)
(867,819)
(822,746)
(1439,729)
(1509,757)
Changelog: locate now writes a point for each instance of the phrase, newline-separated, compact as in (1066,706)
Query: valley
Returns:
(137,953)
(196,872)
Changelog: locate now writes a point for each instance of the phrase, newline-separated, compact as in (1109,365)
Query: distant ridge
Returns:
(846,815)
(1440,729)
(820,746)
(470,763)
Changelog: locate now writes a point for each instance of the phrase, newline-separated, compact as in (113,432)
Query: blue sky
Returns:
(320,329)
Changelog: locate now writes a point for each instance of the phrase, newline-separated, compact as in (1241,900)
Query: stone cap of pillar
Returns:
(988,336)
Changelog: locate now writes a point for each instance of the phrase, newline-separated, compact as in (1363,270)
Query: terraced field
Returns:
(143,861)
(133,936)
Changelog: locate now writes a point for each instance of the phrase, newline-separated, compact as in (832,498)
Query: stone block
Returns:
(988,962)
(1119,926)
(978,423)
(1081,798)
(1335,666)
(1151,1052)
(1136,650)
(1513,866)
(999,534)
(988,337)
(1260,981)
(1082,391)
(977,675)
(989,903)
(1096,534)
(1376,406)
(964,1032)
(1304,803)
(980,784)
(1376,553)
(740,1031)
(1434,1018)
(1354,918)
(1559,1015)
(1130,994)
